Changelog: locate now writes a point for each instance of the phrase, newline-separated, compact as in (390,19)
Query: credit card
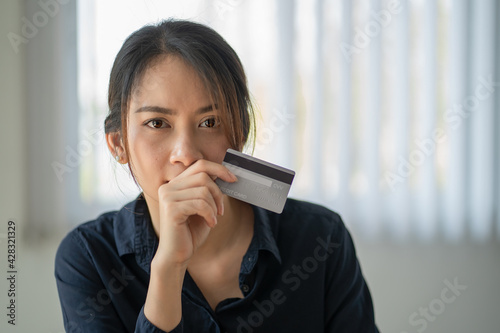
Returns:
(260,183)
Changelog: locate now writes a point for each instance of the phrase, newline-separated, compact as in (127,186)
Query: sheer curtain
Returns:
(387,110)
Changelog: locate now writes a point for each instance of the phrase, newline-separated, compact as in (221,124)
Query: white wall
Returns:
(32,118)
(13,122)
(405,277)
(52,111)
(24,156)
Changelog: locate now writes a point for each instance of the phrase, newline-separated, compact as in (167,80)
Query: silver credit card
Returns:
(260,183)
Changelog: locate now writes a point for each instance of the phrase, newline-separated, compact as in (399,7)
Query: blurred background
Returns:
(388,111)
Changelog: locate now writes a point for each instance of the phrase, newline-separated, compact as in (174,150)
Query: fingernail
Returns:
(215,219)
(222,209)
(233,175)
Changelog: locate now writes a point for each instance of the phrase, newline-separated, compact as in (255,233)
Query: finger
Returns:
(202,193)
(199,180)
(198,207)
(214,170)
(179,212)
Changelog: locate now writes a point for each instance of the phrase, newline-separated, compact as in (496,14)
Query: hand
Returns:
(189,205)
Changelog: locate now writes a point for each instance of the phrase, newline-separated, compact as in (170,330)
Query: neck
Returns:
(231,228)
(235,224)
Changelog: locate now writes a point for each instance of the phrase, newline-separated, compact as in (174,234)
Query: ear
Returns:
(116,147)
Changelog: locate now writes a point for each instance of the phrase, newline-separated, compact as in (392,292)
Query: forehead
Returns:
(171,77)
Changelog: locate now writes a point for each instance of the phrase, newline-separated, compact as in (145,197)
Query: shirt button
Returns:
(245,288)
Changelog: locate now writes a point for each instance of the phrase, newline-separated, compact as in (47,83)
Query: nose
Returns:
(185,150)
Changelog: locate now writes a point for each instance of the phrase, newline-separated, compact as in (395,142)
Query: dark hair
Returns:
(206,51)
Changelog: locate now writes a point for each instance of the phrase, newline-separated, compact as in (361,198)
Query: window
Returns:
(385,109)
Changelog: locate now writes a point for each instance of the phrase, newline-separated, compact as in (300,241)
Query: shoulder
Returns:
(99,229)
(78,244)
(300,214)
(303,222)
(294,206)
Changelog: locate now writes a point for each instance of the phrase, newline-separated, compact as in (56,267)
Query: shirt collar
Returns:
(134,233)
(264,238)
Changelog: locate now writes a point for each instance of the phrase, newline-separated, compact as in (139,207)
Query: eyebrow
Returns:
(167,111)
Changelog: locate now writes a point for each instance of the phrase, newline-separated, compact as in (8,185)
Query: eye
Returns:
(156,123)
(210,122)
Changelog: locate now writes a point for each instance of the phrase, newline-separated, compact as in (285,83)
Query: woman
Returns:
(183,257)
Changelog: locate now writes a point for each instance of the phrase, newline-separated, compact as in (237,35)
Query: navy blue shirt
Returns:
(300,274)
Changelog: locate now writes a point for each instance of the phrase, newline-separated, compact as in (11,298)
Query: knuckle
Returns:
(201,164)
(205,206)
(216,191)
(205,192)
(163,192)
(204,177)
(199,204)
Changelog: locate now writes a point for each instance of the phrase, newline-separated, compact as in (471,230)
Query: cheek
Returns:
(215,151)
(147,155)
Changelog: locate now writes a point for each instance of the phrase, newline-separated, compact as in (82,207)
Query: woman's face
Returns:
(171,124)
